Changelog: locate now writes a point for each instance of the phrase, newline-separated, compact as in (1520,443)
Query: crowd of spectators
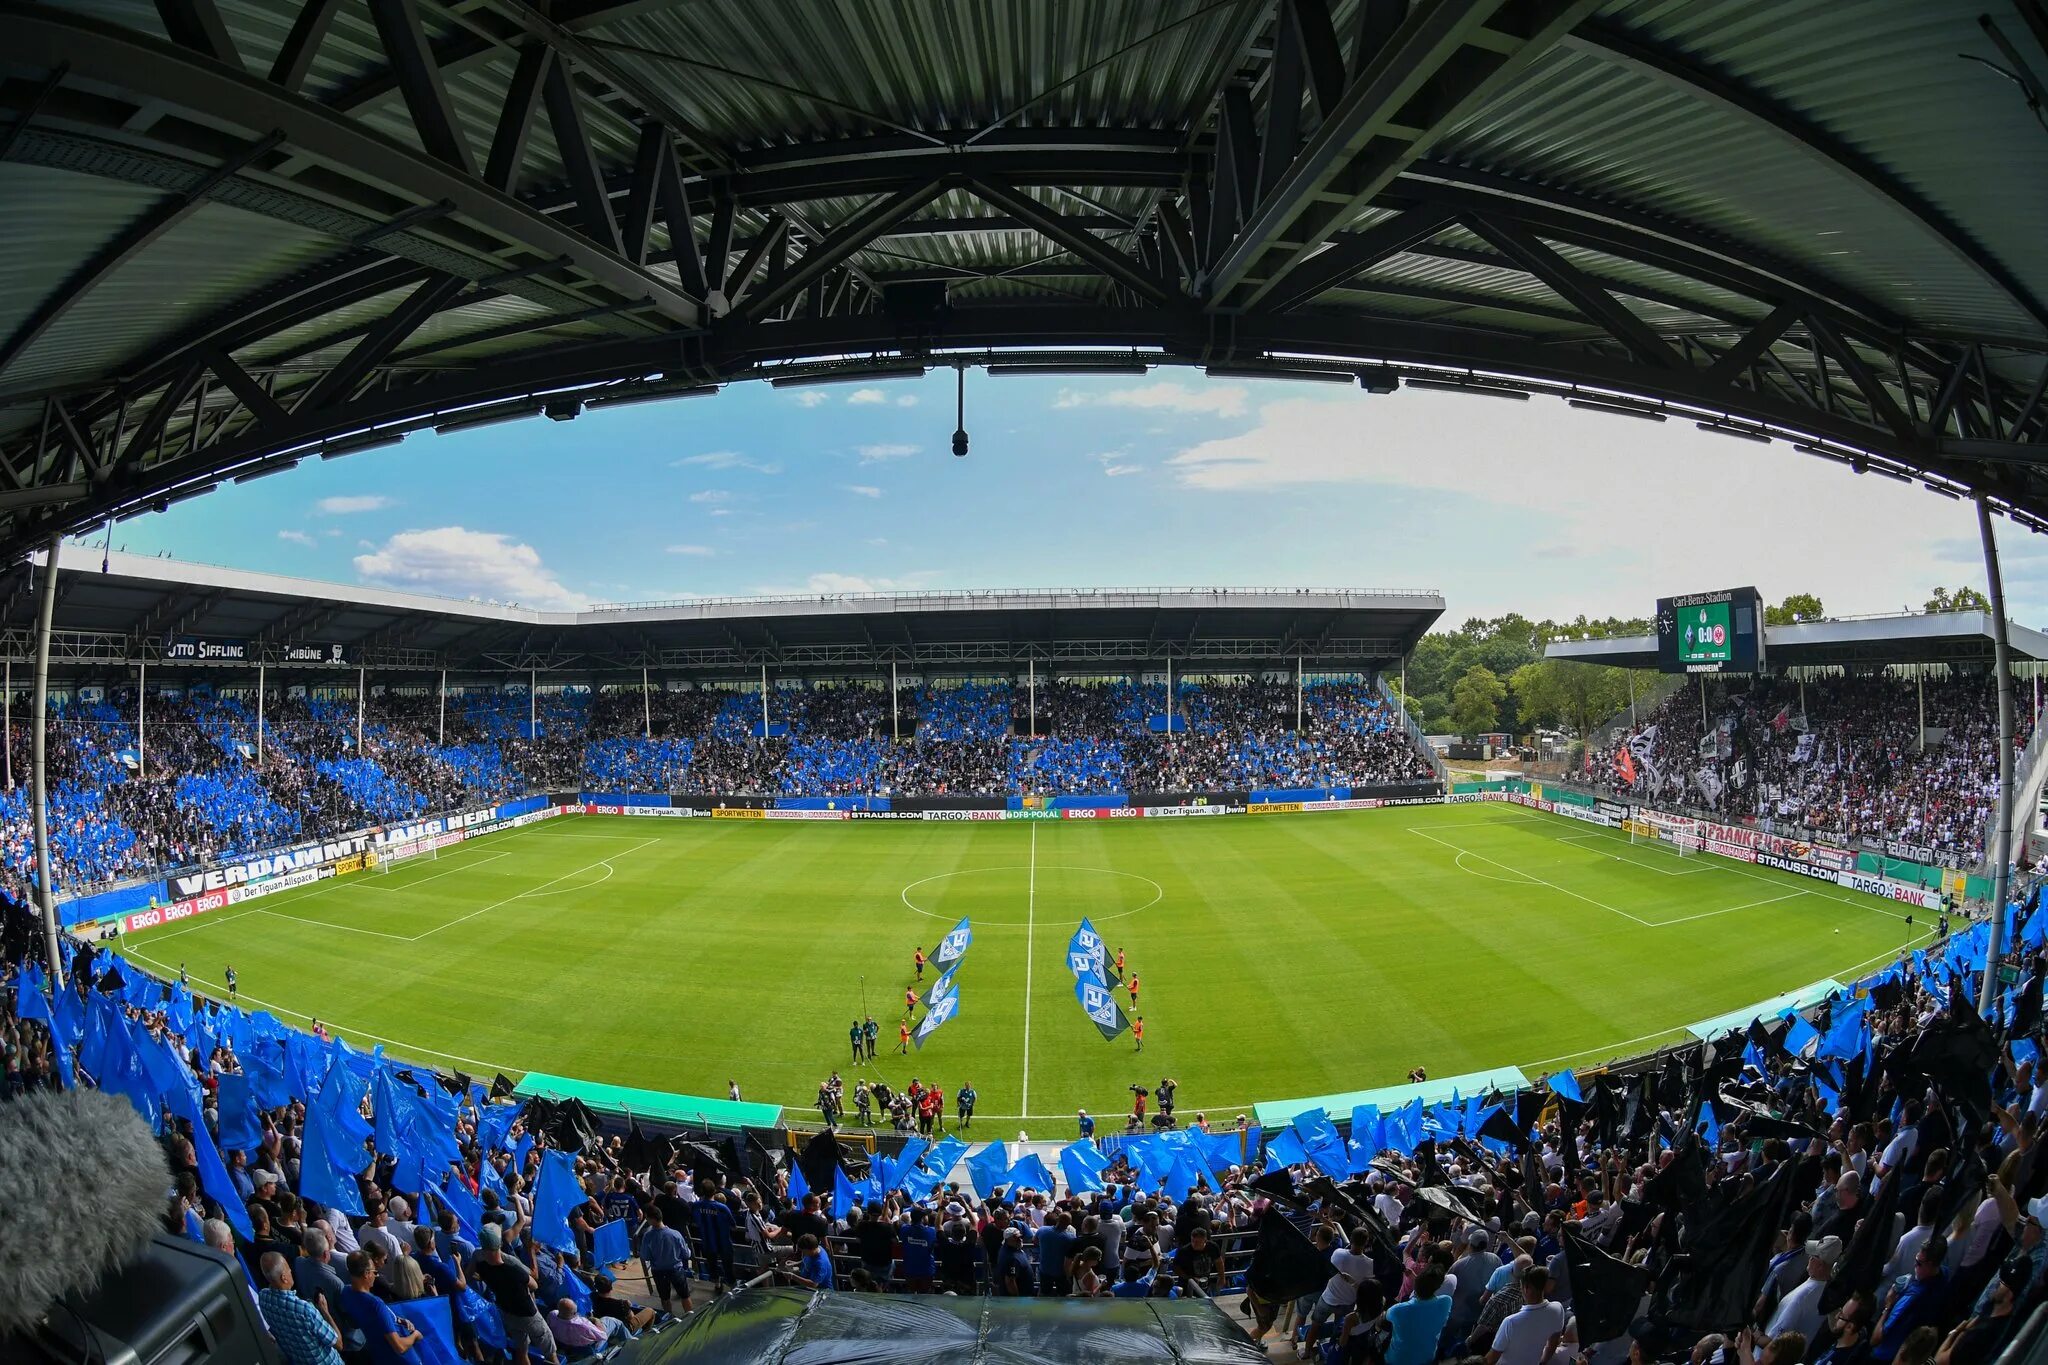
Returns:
(206,785)
(1857,1183)
(1842,757)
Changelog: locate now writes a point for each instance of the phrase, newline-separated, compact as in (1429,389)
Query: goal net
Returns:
(390,857)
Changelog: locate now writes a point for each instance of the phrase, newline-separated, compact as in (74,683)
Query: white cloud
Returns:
(864,397)
(864,490)
(1656,507)
(297,538)
(878,540)
(710,496)
(808,398)
(344,506)
(454,561)
(726,459)
(847,582)
(1112,462)
(701,551)
(886,450)
(908,400)
(1212,400)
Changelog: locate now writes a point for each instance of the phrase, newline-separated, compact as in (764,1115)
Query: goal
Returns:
(386,859)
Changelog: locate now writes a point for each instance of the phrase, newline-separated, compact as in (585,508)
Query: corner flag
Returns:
(952,947)
(1103,1011)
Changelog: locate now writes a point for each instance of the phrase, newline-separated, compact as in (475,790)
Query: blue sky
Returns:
(1166,479)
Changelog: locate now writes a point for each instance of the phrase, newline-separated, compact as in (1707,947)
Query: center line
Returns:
(1030,914)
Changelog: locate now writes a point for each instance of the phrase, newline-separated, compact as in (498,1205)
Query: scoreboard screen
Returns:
(1711,632)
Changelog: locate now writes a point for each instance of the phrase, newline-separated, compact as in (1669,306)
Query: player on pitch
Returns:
(917,960)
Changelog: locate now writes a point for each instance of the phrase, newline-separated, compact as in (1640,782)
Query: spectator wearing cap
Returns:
(377,1231)
(1979,1338)
(607,1302)
(1014,1272)
(1472,1271)
(1800,1310)
(511,1286)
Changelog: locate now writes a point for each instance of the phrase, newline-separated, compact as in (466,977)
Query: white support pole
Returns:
(764,699)
(2002,660)
(1298,687)
(1031,695)
(259,712)
(895,721)
(1704,724)
(362,697)
(1920,688)
(1632,722)
(646,704)
(441,725)
(141,734)
(1169,695)
(8,755)
(1802,697)
(40,715)
(532,703)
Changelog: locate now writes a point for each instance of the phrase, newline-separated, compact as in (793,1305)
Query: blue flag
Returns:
(1319,1139)
(1030,1174)
(953,947)
(482,1317)
(940,989)
(1077,1164)
(1099,1003)
(1086,955)
(939,1014)
(1365,1138)
(1285,1147)
(798,1186)
(554,1195)
(609,1243)
(574,1290)
(494,1123)
(239,1129)
(842,1193)
(435,1323)
(468,1209)
(213,1172)
(1565,1085)
(988,1168)
(1800,1036)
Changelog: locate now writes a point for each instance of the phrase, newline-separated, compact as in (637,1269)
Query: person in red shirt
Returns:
(909,1000)
(1138,1104)
(1138,1033)
(918,960)
(903,1037)
(1119,962)
(936,1098)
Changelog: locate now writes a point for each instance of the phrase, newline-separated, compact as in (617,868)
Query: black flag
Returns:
(1723,1255)
(502,1087)
(1605,1291)
(1286,1264)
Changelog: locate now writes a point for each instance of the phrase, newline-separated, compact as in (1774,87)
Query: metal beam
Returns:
(1358,252)
(572,144)
(851,236)
(515,119)
(1442,63)
(1097,253)
(264,408)
(419,81)
(197,25)
(677,216)
(1599,306)
(1736,360)
(302,44)
(390,332)
(150,71)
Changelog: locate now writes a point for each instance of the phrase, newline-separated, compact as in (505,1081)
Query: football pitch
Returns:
(1279,956)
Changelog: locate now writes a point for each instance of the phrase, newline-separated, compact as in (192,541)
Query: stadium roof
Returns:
(241,235)
(1935,637)
(128,612)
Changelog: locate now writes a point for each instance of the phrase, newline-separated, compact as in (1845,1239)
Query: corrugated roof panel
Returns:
(133,306)
(846,68)
(1904,84)
(1586,123)
(55,220)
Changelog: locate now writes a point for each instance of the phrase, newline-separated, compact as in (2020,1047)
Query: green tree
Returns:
(1964,598)
(1476,701)
(1574,696)
(1798,606)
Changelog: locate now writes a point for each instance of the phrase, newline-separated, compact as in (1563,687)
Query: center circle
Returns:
(1060,888)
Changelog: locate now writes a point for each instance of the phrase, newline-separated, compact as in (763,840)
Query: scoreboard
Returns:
(1711,632)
